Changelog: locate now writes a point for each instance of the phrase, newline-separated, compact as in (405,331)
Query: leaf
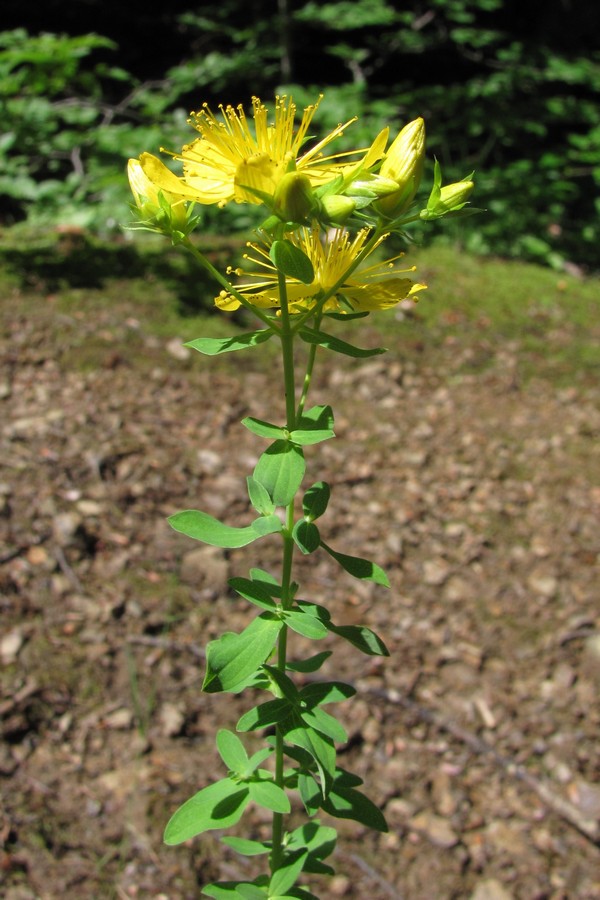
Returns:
(245,847)
(314,426)
(346,803)
(268,794)
(358,567)
(281,470)
(286,876)
(214,346)
(234,657)
(219,805)
(326,692)
(292,261)
(265,714)
(312,664)
(319,840)
(306,536)
(316,500)
(325,724)
(202,527)
(259,497)
(362,638)
(232,751)
(264,429)
(306,625)
(320,748)
(312,336)
(254,591)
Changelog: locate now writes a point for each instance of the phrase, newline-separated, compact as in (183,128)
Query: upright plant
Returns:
(313,262)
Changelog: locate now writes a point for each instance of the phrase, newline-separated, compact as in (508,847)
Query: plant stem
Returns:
(289,378)
(230,288)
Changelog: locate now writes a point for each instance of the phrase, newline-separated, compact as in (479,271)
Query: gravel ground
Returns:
(476,490)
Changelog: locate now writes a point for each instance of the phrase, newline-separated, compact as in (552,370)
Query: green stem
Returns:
(230,288)
(287,348)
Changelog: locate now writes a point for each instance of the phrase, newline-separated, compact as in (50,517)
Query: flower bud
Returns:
(404,164)
(165,210)
(447,199)
(293,199)
(336,209)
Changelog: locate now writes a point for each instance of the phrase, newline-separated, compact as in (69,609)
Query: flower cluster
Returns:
(336,209)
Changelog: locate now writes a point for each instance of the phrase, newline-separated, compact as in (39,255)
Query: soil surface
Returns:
(476,489)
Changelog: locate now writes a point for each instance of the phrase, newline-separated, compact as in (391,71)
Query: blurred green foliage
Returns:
(504,91)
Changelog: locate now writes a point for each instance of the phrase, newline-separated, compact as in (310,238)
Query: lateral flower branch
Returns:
(316,259)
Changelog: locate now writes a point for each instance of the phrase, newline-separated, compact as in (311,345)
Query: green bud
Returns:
(337,209)
(293,199)
(447,199)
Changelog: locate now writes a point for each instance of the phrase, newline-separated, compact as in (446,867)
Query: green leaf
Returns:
(232,658)
(362,638)
(214,346)
(265,714)
(312,664)
(312,336)
(326,692)
(232,751)
(314,426)
(320,748)
(306,625)
(316,500)
(264,429)
(286,876)
(346,803)
(219,805)
(306,536)
(292,261)
(254,591)
(256,759)
(266,793)
(358,567)
(281,470)
(325,724)
(259,497)
(202,527)
(245,847)
(319,840)
(346,317)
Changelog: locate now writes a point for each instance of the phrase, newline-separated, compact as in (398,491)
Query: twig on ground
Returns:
(588,827)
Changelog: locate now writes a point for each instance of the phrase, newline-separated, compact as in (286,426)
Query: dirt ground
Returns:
(475,488)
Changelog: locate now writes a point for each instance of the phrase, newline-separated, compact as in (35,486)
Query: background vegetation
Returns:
(509,89)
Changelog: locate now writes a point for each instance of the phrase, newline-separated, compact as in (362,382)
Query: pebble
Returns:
(435,829)
(436,571)
(176,349)
(10,646)
(490,889)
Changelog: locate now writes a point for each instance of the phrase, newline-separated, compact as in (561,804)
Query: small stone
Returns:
(171,718)
(436,571)
(340,885)
(10,646)
(121,719)
(65,527)
(176,349)
(586,797)
(490,889)
(435,829)
(544,585)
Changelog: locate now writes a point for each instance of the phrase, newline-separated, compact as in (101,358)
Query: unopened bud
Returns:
(450,198)
(337,209)
(166,210)
(293,199)
(404,164)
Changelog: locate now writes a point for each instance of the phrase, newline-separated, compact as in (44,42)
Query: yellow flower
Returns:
(375,287)
(236,159)
(147,196)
